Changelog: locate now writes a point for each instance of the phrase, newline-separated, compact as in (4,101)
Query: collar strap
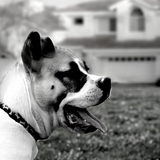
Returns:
(19,119)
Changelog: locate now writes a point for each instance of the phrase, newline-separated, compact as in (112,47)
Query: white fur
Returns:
(16,91)
(15,141)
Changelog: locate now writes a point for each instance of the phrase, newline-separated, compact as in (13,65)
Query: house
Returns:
(88,19)
(126,19)
(118,38)
(137,19)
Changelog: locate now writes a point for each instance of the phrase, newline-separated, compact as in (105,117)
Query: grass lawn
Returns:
(132,115)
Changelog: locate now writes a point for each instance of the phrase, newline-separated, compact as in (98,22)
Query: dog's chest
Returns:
(16,143)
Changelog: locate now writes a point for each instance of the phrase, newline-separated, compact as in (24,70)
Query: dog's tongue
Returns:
(90,118)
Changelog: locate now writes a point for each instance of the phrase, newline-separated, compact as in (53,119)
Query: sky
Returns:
(63,3)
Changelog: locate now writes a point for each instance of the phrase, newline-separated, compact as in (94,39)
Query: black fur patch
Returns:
(47,47)
(73,78)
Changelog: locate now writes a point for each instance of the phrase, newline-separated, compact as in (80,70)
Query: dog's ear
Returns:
(36,48)
(47,47)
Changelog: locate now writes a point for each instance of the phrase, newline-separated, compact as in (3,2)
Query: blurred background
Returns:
(117,38)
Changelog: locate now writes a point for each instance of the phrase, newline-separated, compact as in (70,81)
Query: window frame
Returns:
(137,20)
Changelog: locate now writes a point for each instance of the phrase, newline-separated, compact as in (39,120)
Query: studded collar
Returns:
(19,119)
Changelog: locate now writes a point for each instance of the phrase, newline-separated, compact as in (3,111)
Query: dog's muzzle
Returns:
(73,111)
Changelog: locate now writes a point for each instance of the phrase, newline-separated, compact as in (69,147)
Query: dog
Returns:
(48,87)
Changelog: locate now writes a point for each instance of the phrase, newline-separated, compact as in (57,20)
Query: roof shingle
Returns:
(109,42)
(102,5)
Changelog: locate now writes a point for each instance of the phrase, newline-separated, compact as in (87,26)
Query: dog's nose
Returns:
(104,83)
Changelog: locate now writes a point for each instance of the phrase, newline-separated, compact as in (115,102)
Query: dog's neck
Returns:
(16,92)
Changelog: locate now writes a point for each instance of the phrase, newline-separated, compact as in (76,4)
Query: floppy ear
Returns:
(36,48)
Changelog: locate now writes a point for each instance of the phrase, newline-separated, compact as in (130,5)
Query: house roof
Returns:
(102,42)
(103,5)
(152,4)
(94,6)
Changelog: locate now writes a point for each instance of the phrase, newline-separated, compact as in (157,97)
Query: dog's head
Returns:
(61,84)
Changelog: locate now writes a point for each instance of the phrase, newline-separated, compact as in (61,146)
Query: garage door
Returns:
(129,69)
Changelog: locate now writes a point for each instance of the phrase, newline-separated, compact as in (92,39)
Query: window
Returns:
(137,21)
(132,59)
(112,24)
(78,21)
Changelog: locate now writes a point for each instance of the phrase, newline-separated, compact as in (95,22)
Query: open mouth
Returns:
(81,120)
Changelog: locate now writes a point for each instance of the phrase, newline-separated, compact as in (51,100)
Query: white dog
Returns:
(48,88)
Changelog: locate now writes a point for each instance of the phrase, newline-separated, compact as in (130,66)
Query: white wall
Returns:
(157,23)
(79,31)
(102,25)
(92,24)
